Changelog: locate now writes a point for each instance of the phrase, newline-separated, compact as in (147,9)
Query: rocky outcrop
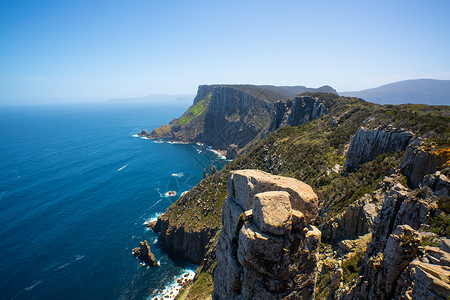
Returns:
(439,183)
(422,158)
(394,265)
(143,133)
(232,151)
(378,281)
(185,242)
(358,218)
(355,221)
(144,254)
(267,248)
(296,112)
(368,144)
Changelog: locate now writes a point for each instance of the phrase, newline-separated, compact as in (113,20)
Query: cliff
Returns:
(267,248)
(225,115)
(315,153)
(368,144)
(295,112)
(398,262)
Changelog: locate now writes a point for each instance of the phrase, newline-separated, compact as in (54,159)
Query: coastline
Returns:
(171,291)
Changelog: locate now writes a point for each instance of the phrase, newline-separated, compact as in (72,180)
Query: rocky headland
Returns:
(229,117)
(380,174)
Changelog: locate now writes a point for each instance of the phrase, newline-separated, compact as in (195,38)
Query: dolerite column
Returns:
(268,248)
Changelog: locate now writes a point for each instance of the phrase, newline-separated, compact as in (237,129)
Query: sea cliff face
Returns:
(226,116)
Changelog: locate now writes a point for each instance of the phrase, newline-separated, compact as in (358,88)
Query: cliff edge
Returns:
(226,115)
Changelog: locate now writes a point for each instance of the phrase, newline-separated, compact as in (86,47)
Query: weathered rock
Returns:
(357,220)
(422,159)
(368,144)
(232,151)
(183,242)
(379,276)
(270,251)
(424,281)
(144,254)
(296,112)
(272,212)
(151,225)
(243,185)
(143,133)
(438,182)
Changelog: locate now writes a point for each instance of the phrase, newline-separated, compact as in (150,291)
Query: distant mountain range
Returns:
(417,91)
(156,98)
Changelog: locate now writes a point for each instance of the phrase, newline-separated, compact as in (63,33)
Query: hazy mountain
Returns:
(419,91)
(156,98)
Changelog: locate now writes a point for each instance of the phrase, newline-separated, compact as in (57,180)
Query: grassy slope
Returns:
(308,153)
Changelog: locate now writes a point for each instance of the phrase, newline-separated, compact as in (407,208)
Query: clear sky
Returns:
(95,50)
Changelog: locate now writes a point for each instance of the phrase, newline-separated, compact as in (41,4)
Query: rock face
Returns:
(267,248)
(367,144)
(439,183)
(395,266)
(296,112)
(225,115)
(185,242)
(422,159)
(357,220)
(144,254)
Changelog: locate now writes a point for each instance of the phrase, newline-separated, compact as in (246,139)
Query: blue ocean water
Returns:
(75,191)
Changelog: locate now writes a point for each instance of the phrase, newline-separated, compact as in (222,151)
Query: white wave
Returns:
(155,202)
(184,193)
(119,169)
(62,266)
(144,137)
(33,285)
(217,153)
(170,194)
(153,218)
(135,135)
(178,175)
(180,143)
(171,290)
(158,141)
(78,257)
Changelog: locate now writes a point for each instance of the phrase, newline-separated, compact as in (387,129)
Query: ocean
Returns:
(76,188)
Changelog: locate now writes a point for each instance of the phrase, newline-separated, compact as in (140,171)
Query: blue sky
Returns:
(96,50)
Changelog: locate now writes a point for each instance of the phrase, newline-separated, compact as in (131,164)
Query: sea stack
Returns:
(144,254)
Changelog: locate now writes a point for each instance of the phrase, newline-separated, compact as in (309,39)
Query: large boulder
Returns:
(243,185)
(272,212)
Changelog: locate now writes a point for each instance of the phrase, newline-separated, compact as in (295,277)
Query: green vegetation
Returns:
(309,153)
(351,267)
(195,111)
(163,131)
